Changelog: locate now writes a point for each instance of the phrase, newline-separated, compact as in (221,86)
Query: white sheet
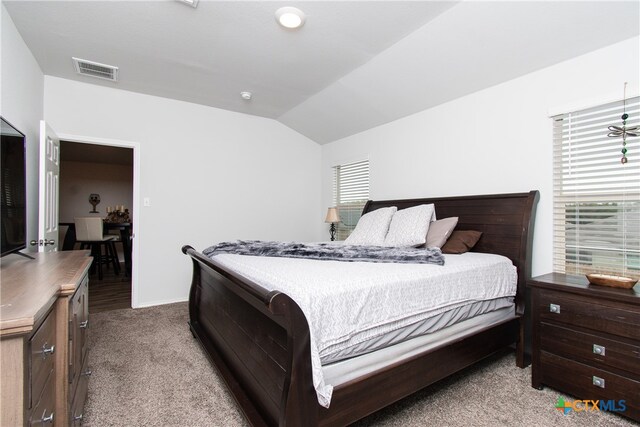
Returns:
(349,302)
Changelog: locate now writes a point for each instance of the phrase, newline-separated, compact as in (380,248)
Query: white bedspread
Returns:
(349,302)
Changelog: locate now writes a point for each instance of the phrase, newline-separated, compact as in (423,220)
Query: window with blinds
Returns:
(596,205)
(350,193)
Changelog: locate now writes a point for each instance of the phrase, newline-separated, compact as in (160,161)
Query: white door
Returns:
(48,192)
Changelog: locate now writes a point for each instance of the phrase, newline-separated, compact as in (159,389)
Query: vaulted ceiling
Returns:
(353,65)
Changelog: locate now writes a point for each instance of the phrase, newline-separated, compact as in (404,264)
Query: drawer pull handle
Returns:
(46,419)
(598,382)
(87,373)
(77,418)
(84,324)
(48,350)
(599,349)
(554,308)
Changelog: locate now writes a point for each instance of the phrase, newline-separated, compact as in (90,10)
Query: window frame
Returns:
(596,199)
(351,191)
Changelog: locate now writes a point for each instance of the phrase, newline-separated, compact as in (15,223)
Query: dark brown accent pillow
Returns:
(461,241)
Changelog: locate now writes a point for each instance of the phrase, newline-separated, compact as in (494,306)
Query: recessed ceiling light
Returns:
(192,3)
(245,95)
(290,17)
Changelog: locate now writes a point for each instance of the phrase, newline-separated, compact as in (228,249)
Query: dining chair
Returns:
(90,234)
(117,235)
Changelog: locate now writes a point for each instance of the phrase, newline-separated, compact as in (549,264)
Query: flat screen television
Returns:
(13,192)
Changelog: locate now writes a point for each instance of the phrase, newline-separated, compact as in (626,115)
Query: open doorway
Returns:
(98,181)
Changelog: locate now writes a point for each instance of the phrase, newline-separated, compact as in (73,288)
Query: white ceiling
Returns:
(354,65)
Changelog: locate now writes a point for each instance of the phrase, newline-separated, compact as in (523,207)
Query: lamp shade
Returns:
(332,215)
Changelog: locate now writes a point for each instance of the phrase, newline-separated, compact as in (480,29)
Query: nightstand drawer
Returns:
(592,349)
(578,379)
(583,312)
(41,357)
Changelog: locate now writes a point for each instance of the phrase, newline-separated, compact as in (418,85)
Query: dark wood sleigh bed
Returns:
(259,340)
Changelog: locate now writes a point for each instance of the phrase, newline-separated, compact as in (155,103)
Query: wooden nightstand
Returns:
(586,340)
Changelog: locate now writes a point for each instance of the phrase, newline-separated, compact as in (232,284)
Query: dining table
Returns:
(125,228)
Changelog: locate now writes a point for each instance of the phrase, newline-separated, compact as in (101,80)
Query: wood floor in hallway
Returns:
(113,292)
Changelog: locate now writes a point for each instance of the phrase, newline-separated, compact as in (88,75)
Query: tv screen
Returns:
(13,183)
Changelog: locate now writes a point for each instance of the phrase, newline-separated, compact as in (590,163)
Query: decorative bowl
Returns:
(613,281)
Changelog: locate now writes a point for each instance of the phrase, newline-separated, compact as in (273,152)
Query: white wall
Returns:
(493,141)
(21,104)
(114,184)
(211,175)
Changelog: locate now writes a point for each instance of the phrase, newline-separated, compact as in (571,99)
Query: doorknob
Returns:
(42,242)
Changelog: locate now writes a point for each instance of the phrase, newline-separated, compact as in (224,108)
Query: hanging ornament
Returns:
(624,131)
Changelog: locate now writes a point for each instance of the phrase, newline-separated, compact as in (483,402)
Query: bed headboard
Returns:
(506,222)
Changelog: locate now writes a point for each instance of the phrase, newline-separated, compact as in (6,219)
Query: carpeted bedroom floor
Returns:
(148,370)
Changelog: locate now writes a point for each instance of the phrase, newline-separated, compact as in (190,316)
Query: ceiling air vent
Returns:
(95,69)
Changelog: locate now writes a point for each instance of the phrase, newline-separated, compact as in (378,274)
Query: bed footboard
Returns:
(258,341)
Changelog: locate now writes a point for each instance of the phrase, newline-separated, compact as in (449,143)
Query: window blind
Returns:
(596,204)
(350,193)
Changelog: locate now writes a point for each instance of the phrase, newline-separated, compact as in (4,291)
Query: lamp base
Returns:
(332,231)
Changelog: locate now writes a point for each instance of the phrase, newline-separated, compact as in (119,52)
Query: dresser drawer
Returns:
(578,379)
(79,325)
(592,349)
(43,412)
(582,312)
(77,405)
(41,357)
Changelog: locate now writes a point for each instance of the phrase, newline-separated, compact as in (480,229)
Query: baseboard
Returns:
(165,302)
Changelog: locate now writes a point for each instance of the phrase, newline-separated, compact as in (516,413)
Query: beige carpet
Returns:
(148,370)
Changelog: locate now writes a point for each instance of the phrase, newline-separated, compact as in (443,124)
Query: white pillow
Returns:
(409,226)
(372,228)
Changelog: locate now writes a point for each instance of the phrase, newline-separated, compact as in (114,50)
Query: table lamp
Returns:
(333,218)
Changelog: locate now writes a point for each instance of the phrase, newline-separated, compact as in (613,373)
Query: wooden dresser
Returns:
(586,341)
(43,338)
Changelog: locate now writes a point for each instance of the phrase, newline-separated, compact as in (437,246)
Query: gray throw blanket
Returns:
(328,251)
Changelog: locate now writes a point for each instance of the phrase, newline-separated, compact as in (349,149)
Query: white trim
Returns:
(162,302)
(586,103)
(136,200)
